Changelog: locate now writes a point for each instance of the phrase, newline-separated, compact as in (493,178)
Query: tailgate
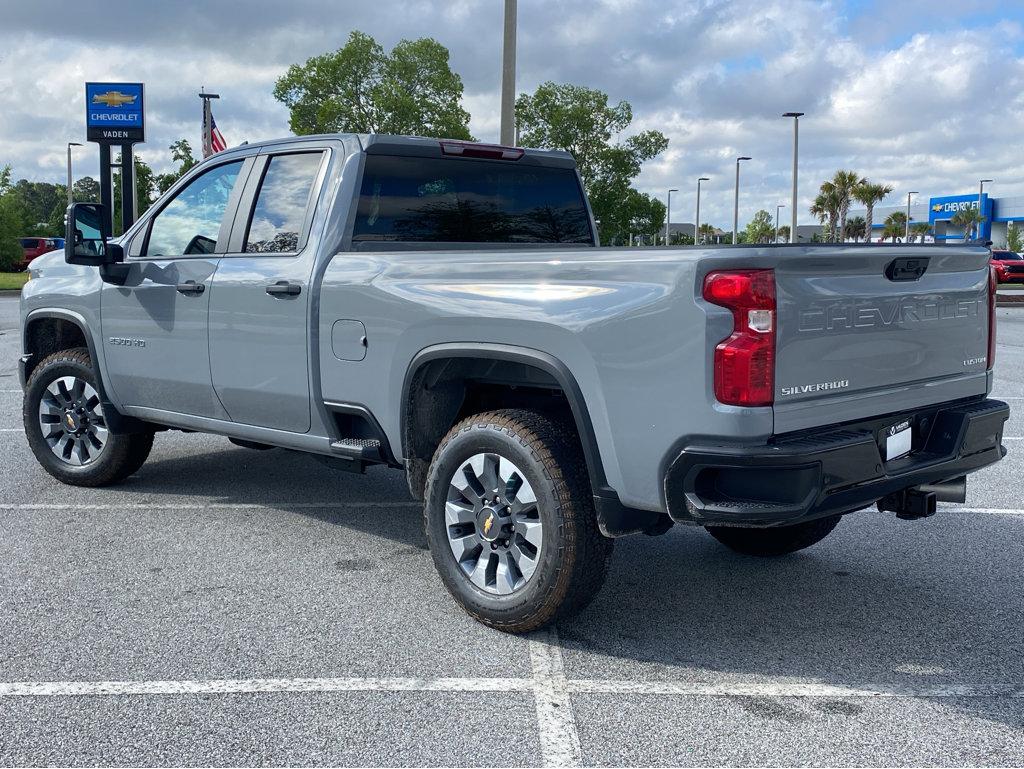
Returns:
(859,334)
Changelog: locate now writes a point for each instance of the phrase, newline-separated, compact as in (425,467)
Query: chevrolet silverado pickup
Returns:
(443,308)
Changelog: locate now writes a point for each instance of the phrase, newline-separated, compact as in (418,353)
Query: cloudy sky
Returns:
(922,94)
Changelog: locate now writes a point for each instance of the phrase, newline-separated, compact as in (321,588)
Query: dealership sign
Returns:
(944,209)
(115,113)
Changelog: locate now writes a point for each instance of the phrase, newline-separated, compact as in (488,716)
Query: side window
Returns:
(190,224)
(280,211)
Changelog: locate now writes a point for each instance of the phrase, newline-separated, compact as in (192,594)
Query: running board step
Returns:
(359,449)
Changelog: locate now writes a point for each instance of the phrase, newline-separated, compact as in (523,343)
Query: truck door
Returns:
(259,305)
(155,325)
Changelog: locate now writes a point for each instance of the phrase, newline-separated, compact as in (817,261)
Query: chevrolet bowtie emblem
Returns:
(113,99)
(488,523)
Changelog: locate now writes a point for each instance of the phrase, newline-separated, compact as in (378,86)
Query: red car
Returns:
(34,247)
(1009,266)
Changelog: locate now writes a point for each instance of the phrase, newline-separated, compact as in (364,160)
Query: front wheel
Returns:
(510,520)
(778,540)
(67,429)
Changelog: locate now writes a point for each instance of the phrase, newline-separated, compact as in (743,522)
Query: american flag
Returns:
(213,139)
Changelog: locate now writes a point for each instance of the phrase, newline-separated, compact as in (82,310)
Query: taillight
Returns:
(992,283)
(745,362)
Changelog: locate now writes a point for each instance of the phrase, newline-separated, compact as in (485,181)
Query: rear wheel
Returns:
(778,540)
(67,429)
(510,520)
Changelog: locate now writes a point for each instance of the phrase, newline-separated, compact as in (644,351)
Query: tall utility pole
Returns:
(796,154)
(736,203)
(668,213)
(70,180)
(696,222)
(777,208)
(906,234)
(508,76)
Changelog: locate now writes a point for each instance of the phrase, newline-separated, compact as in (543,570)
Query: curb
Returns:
(10,292)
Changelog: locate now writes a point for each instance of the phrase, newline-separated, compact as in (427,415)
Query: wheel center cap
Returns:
(71,422)
(490,524)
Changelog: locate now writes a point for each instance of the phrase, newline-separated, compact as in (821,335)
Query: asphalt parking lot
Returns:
(226,606)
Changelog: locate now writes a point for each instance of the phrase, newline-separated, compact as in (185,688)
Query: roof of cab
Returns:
(415,146)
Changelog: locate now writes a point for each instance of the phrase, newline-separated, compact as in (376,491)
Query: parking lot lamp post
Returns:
(796,152)
(668,213)
(70,145)
(736,204)
(777,208)
(981,192)
(906,234)
(696,223)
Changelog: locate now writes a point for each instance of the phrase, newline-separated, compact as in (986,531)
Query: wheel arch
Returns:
(49,330)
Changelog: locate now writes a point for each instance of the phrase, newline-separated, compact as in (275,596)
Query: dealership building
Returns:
(998,213)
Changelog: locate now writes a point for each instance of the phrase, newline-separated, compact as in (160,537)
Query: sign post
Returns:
(115,116)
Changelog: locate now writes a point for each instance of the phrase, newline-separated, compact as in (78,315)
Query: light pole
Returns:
(796,153)
(70,145)
(981,214)
(736,203)
(508,76)
(777,208)
(696,223)
(668,213)
(906,234)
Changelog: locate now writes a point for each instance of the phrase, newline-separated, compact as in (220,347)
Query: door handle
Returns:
(284,288)
(190,288)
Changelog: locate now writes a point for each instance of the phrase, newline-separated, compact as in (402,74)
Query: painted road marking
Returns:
(205,506)
(556,723)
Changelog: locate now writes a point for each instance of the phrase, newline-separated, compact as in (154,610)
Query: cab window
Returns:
(190,224)
(279,216)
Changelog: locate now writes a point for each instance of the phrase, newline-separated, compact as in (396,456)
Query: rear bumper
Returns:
(815,474)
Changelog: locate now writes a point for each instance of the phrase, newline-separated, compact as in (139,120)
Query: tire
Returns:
(775,541)
(549,559)
(66,381)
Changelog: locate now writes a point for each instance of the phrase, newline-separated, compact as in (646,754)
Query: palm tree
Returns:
(826,209)
(707,233)
(855,228)
(844,183)
(868,194)
(784,234)
(895,226)
(966,219)
(919,230)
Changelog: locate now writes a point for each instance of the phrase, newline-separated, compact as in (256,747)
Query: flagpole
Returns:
(207,121)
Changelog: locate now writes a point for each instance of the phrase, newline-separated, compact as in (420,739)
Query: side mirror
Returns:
(85,240)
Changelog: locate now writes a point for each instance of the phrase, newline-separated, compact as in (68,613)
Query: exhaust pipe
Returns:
(920,501)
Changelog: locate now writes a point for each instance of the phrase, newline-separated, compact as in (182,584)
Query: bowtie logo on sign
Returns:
(114,98)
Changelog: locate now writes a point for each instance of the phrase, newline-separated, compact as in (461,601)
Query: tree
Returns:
(86,190)
(868,194)
(856,228)
(1014,242)
(895,226)
(967,219)
(919,230)
(181,153)
(707,233)
(784,233)
(760,229)
(11,223)
(361,89)
(826,209)
(581,121)
(844,183)
(680,239)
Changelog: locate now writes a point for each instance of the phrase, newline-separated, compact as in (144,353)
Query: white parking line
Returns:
(559,738)
(556,723)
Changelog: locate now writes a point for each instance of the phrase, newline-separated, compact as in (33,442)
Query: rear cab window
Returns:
(449,200)
(280,215)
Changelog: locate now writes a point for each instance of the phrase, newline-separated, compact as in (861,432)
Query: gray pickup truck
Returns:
(444,308)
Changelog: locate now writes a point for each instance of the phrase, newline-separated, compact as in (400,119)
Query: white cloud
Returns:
(932,110)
